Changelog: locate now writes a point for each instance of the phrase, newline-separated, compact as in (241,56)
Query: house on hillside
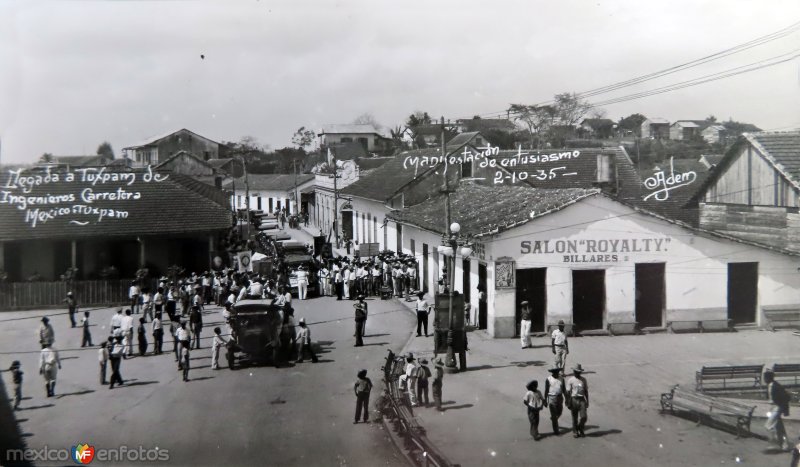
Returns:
(685,130)
(269,192)
(365,135)
(715,134)
(93,160)
(754,191)
(485,124)
(156,150)
(655,128)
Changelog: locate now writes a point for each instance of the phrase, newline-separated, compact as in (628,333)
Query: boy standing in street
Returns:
(158,334)
(577,392)
(102,358)
(87,336)
(216,344)
(303,342)
(362,389)
(16,375)
(72,307)
(437,384)
(185,360)
(558,343)
(49,364)
(534,401)
(554,389)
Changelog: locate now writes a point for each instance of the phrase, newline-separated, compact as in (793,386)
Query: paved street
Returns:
(253,416)
(485,423)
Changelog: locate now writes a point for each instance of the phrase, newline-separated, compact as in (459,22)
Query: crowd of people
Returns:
(387,274)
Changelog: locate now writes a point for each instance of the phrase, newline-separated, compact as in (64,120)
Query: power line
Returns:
(674,69)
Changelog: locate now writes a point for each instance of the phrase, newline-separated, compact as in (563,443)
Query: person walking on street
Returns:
(72,307)
(216,344)
(116,356)
(87,335)
(554,389)
(181,337)
(142,335)
(423,310)
(361,318)
(411,380)
(127,333)
(362,389)
(16,376)
(338,284)
(780,407)
(133,295)
(525,325)
(47,336)
(158,334)
(185,360)
(102,358)
(438,379)
(559,345)
(303,340)
(147,304)
(423,373)
(49,364)
(116,321)
(577,391)
(196,325)
(534,401)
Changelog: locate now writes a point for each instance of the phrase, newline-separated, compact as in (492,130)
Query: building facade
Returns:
(158,149)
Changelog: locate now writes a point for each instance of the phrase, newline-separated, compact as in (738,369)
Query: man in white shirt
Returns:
(133,295)
(116,320)
(158,334)
(338,283)
(303,342)
(126,326)
(302,282)
(411,281)
(559,345)
(255,290)
(346,274)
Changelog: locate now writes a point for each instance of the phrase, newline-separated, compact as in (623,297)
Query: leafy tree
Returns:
(711,119)
(501,139)
(397,138)
(536,118)
(570,109)
(632,122)
(303,138)
(286,158)
(418,118)
(105,149)
(46,158)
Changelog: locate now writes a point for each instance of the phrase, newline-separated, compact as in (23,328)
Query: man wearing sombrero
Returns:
(577,391)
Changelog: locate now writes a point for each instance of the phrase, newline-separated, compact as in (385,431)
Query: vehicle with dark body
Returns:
(256,326)
(293,263)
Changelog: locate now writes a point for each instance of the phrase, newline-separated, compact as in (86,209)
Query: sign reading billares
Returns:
(82,195)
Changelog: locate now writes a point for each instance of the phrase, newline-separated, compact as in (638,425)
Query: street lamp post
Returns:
(452,244)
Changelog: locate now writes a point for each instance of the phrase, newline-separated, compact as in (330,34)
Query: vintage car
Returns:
(293,262)
(256,326)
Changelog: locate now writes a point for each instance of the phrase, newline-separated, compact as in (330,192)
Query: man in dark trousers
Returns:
(780,407)
(72,307)
(362,389)
(361,318)
(577,392)
(423,310)
(554,396)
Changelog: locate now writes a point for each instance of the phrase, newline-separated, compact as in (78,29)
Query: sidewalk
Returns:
(485,422)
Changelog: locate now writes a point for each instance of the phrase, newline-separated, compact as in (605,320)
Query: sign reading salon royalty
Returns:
(595,250)
(42,197)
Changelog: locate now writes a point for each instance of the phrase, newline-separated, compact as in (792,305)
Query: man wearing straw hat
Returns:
(577,391)
(554,394)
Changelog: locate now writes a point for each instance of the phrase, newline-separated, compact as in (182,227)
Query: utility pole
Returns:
(296,198)
(335,198)
(450,358)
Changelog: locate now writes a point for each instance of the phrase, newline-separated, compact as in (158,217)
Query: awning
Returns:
(308,190)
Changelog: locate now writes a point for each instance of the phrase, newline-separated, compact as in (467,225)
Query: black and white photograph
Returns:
(427,234)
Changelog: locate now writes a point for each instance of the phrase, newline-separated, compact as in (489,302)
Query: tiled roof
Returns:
(155,139)
(184,154)
(574,172)
(369,163)
(461,139)
(218,163)
(270,182)
(486,124)
(348,151)
(783,148)
(384,182)
(657,121)
(510,206)
(176,205)
(95,160)
(672,204)
(347,128)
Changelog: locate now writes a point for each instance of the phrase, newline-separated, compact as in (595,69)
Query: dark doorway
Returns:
(531,286)
(347,224)
(425,267)
(588,298)
(742,292)
(399,238)
(483,303)
(650,294)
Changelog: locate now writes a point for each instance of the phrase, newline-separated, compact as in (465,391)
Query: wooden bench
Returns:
(617,329)
(705,325)
(732,377)
(709,408)
(788,374)
(782,318)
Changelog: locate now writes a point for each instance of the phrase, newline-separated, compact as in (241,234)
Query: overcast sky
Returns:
(73,74)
